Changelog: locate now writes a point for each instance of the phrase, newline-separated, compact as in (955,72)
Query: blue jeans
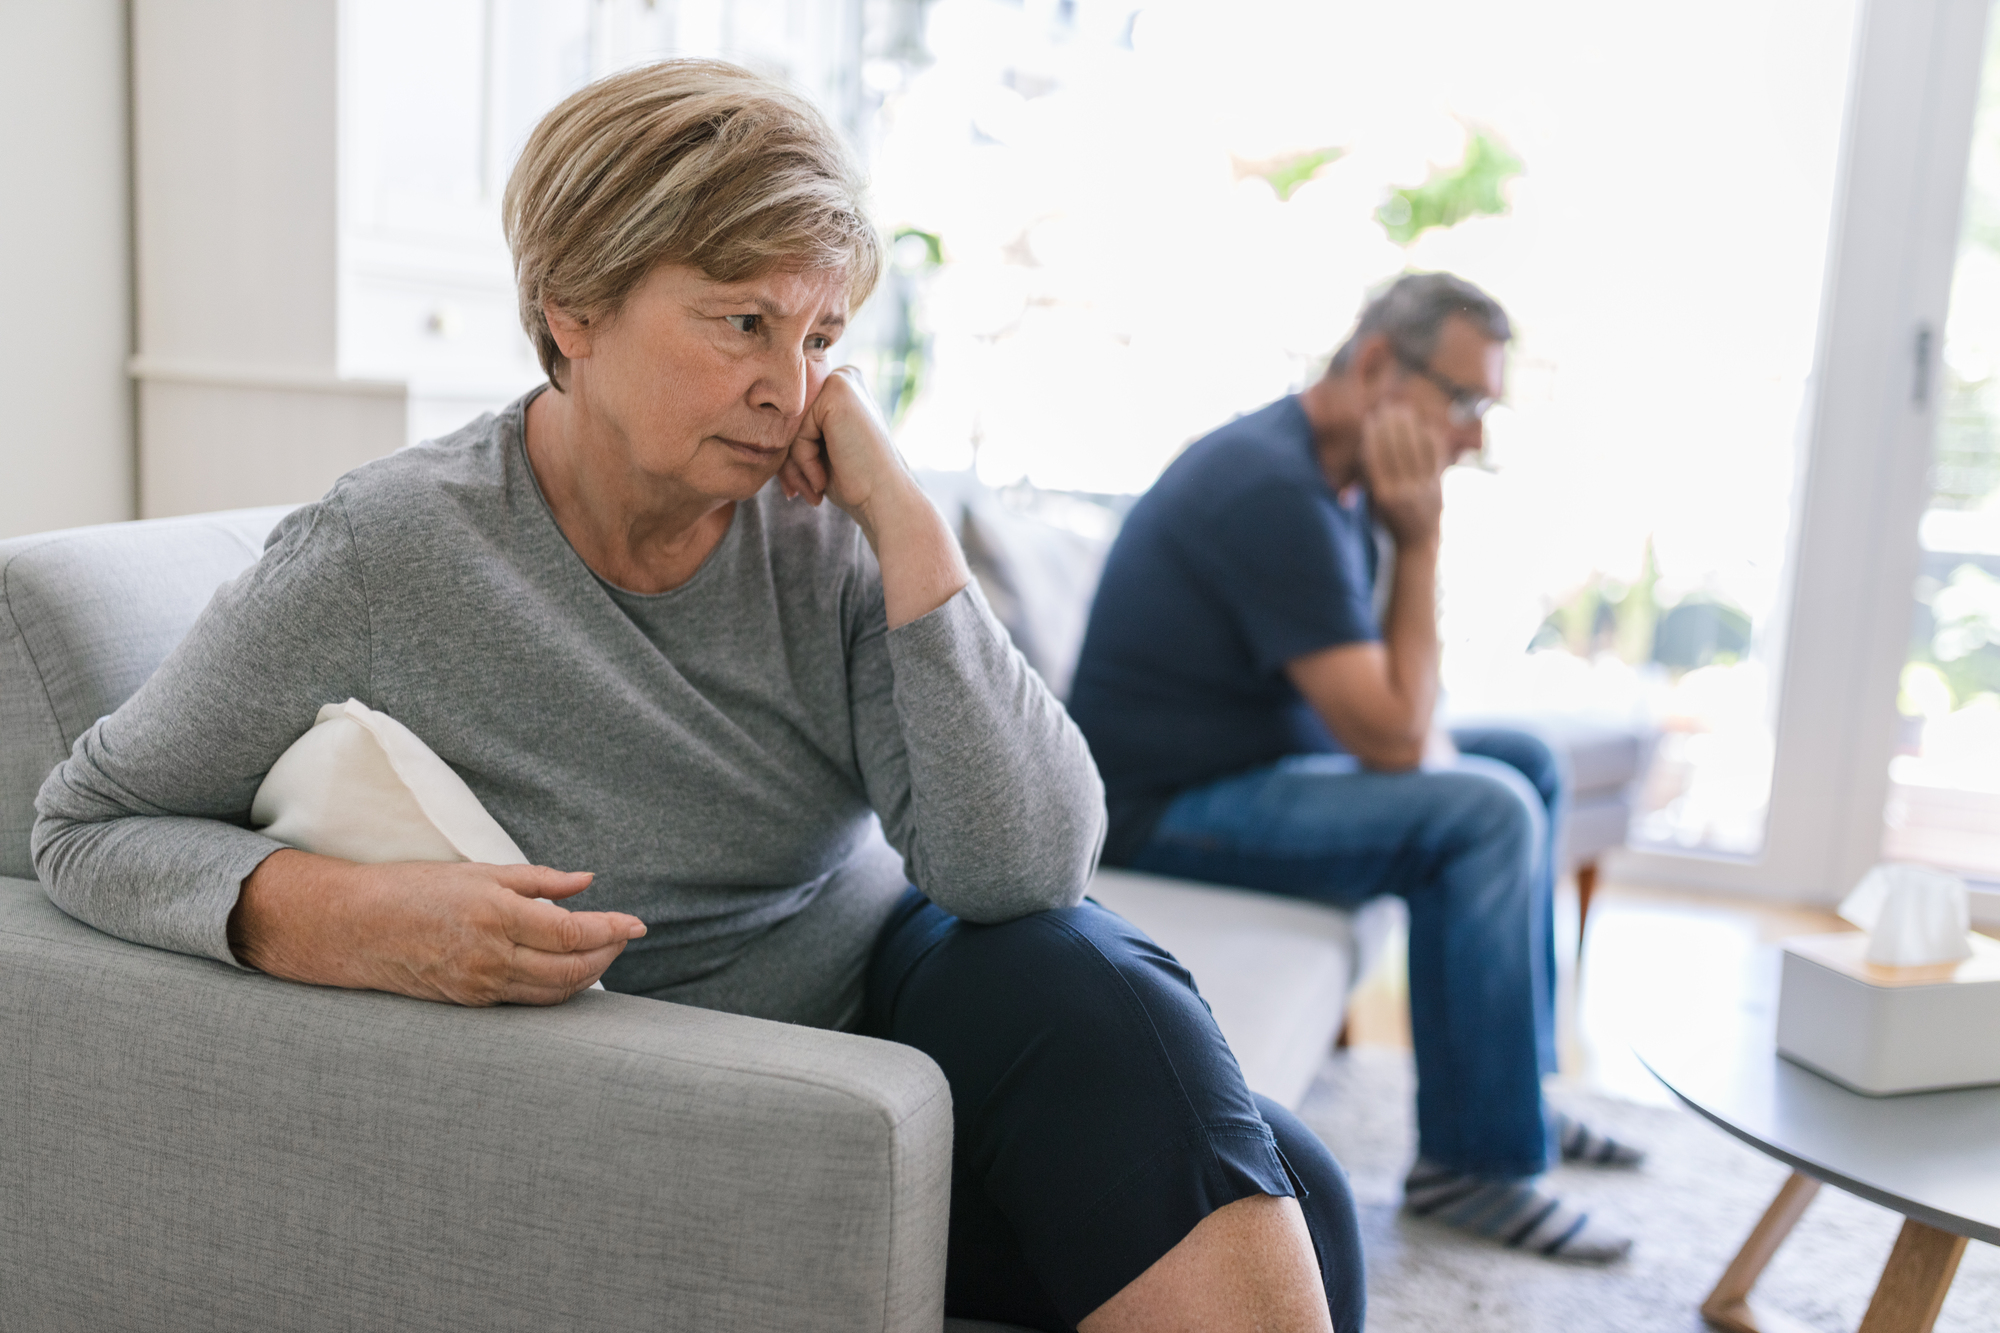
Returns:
(1471,849)
(1098,1114)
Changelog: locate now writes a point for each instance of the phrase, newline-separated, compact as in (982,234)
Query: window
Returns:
(1123,225)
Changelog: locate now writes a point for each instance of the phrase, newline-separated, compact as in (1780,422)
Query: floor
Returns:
(1660,968)
(1653,958)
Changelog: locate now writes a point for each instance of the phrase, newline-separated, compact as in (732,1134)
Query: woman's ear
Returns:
(572,334)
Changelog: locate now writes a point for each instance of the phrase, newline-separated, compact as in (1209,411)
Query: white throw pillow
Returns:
(360,786)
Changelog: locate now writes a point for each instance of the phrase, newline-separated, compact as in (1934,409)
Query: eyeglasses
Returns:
(1467,405)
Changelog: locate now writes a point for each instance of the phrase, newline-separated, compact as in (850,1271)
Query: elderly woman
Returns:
(620,611)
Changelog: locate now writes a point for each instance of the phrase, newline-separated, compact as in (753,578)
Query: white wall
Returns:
(237,184)
(66,429)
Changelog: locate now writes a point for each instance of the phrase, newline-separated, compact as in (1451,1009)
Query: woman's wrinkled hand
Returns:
(455,932)
(842,451)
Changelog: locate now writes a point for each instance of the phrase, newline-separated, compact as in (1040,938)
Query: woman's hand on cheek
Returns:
(842,451)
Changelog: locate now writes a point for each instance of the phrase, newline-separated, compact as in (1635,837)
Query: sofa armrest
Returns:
(185,1144)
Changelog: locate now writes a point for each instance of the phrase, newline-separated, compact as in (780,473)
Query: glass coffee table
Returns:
(1934,1157)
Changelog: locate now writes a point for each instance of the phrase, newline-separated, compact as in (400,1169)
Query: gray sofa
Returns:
(188,1145)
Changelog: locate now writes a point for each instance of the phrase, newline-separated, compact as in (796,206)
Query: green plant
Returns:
(1606,615)
(1287,174)
(1961,643)
(914,254)
(1628,621)
(1452,194)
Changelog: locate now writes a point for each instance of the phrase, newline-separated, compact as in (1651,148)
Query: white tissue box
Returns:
(1883,1030)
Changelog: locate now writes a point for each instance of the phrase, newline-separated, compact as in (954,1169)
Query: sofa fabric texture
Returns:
(192,1146)
(86,615)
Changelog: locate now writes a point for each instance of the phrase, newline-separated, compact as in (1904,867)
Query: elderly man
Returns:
(1261,718)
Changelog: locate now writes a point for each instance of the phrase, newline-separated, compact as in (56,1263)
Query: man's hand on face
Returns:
(1402,465)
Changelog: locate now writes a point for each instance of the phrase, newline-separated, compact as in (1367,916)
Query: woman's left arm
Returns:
(982,781)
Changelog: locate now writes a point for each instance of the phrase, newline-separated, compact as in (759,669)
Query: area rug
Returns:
(1690,1207)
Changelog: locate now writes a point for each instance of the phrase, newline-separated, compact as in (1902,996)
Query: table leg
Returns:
(1919,1273)
(1728,1306)
(1586,887)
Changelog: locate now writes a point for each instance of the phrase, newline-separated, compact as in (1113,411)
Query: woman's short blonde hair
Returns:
(695,162)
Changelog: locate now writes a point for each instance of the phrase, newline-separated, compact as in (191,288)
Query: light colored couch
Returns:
(183,1144)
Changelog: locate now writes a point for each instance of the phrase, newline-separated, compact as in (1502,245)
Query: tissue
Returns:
(1914,916)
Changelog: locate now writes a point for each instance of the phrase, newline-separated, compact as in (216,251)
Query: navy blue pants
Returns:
(1098,1113)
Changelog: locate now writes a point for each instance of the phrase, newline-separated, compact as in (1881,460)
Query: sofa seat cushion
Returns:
(193,1146)
(1275,971)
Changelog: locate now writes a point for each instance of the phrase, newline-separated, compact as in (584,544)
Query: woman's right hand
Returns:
(456,932)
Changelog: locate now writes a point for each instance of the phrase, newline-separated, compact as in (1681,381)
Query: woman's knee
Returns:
(1328,1204)
(1101,981)
(1097,1002)
(1079,956)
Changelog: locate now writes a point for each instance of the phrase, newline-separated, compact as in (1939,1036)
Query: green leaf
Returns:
(1452,194)
(1288,173)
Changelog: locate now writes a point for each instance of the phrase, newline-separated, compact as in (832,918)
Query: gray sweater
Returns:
(718,754)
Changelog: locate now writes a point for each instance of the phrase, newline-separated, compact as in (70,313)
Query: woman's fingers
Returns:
(793,478)
(553,929)
(542,882)
(804,470)
(809,459)
(550,978)
(854,454)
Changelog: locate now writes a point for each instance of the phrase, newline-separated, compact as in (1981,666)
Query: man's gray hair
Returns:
(1412,310)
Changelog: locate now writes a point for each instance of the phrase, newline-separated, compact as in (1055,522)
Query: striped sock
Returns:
(1513,1212)
(1580,1143)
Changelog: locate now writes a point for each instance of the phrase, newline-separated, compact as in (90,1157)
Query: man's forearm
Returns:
(1410,637)
(1377,698)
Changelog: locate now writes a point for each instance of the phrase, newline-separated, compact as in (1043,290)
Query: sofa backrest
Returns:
(86,615)
(1038,564)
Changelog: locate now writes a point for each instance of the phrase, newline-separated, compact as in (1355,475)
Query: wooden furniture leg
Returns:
(1586,884)
(1728,1306)
(1919,1273)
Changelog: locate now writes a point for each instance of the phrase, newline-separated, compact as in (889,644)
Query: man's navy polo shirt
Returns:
(1239,559)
